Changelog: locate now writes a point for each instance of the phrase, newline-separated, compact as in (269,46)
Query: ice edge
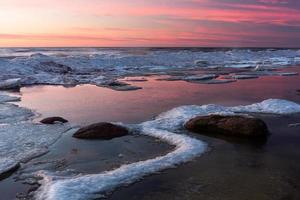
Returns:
(186,148)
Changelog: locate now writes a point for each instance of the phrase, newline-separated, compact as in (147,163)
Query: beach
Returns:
(151,100)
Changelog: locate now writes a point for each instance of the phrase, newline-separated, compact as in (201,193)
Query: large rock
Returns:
(228,125)
(102,130)
(53,120)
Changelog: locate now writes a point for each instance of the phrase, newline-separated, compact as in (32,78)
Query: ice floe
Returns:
(8,84)
(20,139)
(5,97)
(23,141)
(69,66)
(10,113)
(89,186)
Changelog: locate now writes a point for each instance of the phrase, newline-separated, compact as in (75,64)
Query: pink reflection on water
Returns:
(87,104)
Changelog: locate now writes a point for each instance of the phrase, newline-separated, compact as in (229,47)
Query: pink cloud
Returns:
(148,23)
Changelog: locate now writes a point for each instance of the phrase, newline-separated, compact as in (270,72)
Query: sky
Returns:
(135,23)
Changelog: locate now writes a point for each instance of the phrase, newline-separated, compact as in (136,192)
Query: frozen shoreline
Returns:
(32,140)
(21,139)
(67,66)
(54,186)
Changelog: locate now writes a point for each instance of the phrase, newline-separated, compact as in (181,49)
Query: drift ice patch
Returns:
(20,139)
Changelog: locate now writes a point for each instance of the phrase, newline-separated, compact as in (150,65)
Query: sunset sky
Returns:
(253,23)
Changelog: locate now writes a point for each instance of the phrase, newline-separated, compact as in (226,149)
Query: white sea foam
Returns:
(86,186)
(271,106)
(54,187)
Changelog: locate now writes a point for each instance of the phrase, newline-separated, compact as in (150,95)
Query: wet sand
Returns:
(231,169)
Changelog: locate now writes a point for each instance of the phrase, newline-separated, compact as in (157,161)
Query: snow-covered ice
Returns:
(5,97)
(89,186)
(77,66)
(21,139)
(10,113)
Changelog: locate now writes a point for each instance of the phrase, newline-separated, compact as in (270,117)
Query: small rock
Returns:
(117,84)
(53,120)
(238,126)
(121,86)
(102,130)
(127,88)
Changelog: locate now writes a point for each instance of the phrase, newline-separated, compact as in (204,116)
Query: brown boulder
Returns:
(53,120)
(102,130)
(238,126)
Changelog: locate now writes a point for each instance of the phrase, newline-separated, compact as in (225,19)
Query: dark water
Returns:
(231,169)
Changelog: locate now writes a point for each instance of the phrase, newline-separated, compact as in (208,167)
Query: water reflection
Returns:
(86,104)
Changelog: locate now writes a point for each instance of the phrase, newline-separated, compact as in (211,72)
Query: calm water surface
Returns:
(231,169)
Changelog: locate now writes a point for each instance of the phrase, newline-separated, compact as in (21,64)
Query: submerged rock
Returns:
(102,130)
(53,120)
(135,79)
(172,78)
(10,84)
(127,88)
(200,77)
(121,86)
(214,81)
(238,126)
(244,76)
